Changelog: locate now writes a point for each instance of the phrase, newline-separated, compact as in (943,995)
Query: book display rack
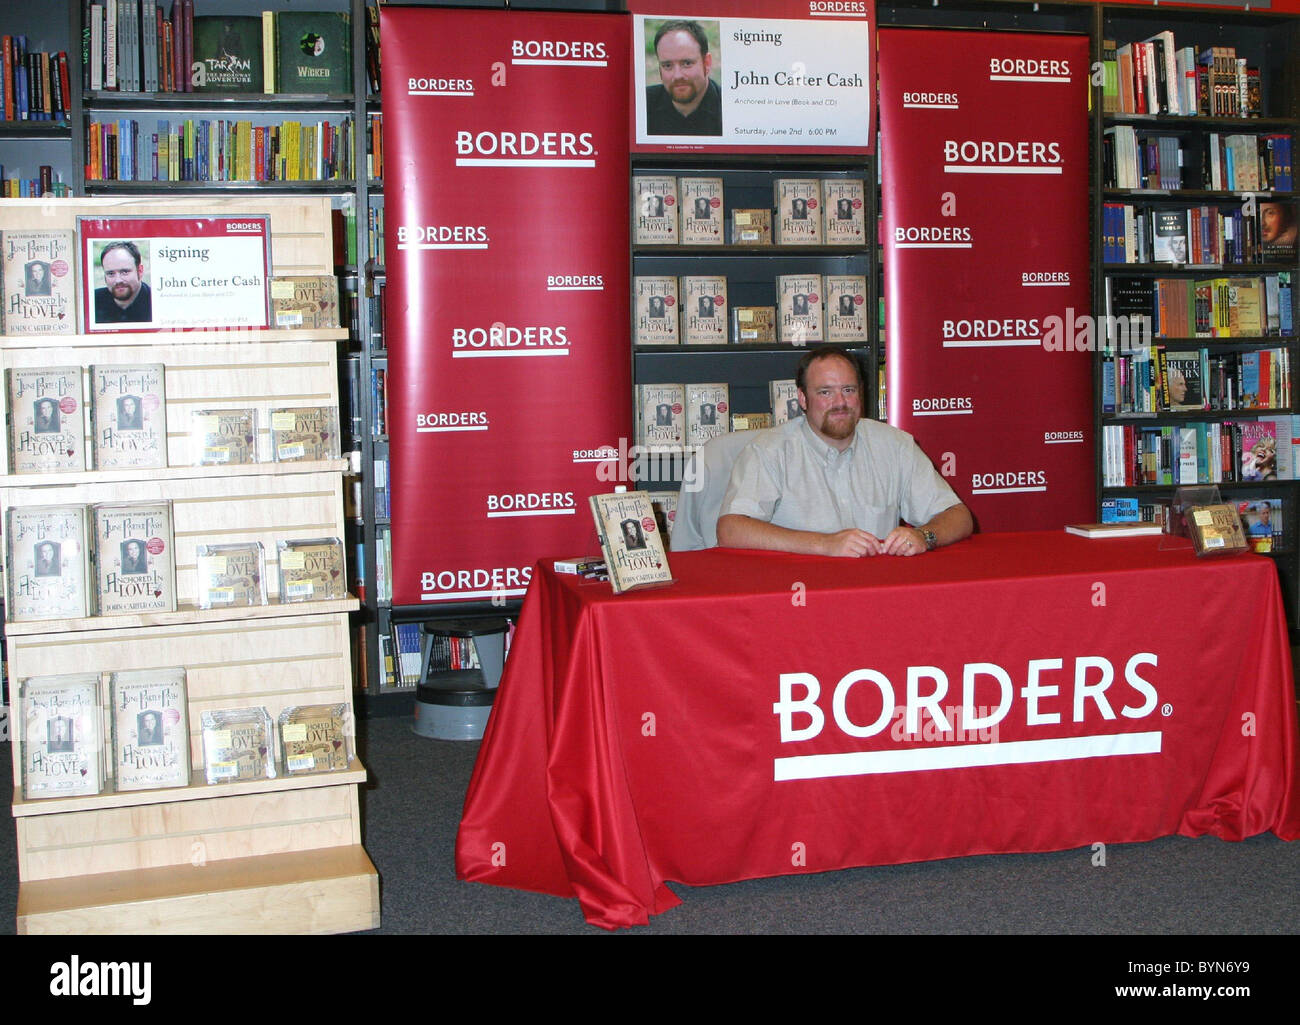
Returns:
(277,854)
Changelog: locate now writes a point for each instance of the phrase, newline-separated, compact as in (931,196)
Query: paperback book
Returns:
(845,305)
(707,406)
(798,211)
(128,416)
(799,309)
(61,736)
(701,206)
(238,744)
(704,310)
(47,563)
(629,539)
(654,210)
(47,428)
(655,309)
(785,401)
(661,416)
(134,559)
(843,212)
(38,283)
(1258,450)
(151,735)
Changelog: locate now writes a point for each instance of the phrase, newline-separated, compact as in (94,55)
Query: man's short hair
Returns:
(827,352)
(682,25)
(130,247)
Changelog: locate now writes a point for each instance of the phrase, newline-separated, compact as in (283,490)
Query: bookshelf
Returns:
(272,856)
(1181,185)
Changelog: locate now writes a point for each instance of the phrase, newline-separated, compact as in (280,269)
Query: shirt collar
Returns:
(824,451)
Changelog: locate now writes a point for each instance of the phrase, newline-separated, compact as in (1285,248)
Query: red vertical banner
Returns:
(507,300)
(987,295)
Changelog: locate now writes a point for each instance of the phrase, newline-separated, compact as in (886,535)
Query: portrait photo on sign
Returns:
(683,72)
(120,273)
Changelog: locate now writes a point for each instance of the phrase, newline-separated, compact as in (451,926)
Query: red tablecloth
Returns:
(1127,693)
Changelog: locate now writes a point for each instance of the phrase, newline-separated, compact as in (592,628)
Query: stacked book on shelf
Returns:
(1222,307)
(1216,452)
(202,150)
(1160,380)
(48,182)
(1135,158)
(35,83)
(142,46)
(1162,75)
(1199,235)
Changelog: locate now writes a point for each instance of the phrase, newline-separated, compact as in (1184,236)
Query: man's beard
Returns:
(839,427)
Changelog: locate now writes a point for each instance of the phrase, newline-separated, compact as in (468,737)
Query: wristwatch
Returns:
(931,542)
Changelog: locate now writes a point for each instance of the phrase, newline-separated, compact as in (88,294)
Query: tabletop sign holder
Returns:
(1212,526)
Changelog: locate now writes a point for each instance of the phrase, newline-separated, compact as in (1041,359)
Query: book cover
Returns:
(798,211)
(223,437)
(315,738)
(799,308)
(1261,519)
(701,211)
(238,744)
(134,558)
(665,508)
(751,227)
(707,406)
(843,212)
(304,434)
(1246,316)
(38,283)
(845,304)
(61,734)
(47,563)
(1258,450)
(654,210)
(313,52)
(1170,243)
(655,310)
(1278,232)
(229,53)
(1184,382)
(305,301)
(629,539)
(785,401)
(128,415)
(704,310)
(230,575)
(47,429)
(151,735)
(311,569)
(753,325)
(661,416)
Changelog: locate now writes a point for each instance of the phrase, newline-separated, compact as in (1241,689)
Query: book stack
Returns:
(35,83)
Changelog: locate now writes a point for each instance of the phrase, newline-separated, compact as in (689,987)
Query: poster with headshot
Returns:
(174,273)
(759,77)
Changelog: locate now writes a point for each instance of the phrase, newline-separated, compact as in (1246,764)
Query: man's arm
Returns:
(737,531)
(952,525)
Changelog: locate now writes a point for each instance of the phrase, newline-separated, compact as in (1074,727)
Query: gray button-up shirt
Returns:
(790,477)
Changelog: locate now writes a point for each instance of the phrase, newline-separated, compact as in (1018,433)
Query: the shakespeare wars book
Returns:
(654,210)
(704,310)
(223,437)
(701,211)
(654,309)
(799,309)
(661,416)
(128,416)
(151,735)
(304,434)
(844,303)
(785,401)
(629,539)
(315,738)
(238,744)
(134,558)
(230,575)
(843,217)
(311,570)
(707,406)
(47,424)
(753,325)
(798,211)
(751,227)
(307,301)
(47,563)
(38,283)
(61,736)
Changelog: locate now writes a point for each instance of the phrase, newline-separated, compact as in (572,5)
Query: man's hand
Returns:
(904,541)
(852,543)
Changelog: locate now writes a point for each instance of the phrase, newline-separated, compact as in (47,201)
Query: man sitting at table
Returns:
(832,483)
